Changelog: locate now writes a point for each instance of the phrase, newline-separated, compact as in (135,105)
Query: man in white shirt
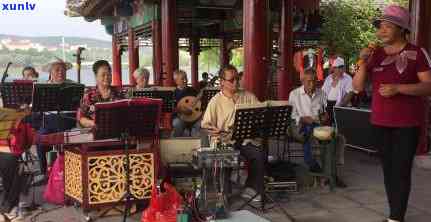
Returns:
(337,87)
(308,110)
(307,102)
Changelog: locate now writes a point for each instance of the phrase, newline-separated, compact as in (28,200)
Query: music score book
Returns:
(261,120)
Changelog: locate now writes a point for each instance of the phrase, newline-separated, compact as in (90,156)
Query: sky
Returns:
(47,19)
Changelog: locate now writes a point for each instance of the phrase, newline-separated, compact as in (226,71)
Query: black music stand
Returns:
(207,95)
(48,97)
(56,97)
(262,122)
(278,118)
(166,96)
(126,119)
(17,93)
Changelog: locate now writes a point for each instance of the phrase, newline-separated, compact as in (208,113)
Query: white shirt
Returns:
(333,92)
(344,86)
(304,105)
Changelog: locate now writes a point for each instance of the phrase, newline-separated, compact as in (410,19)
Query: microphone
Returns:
(373,46)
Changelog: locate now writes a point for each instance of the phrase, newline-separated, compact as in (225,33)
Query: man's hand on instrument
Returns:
(213,131)
(187,110)
(388,90)
(91,124)
(307,120)
(25,107)
(324,118)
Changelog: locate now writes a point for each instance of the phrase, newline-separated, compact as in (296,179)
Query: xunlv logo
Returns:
(18,6)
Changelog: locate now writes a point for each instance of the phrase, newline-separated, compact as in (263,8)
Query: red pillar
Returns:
(157,52)
(224,53)
(169,41)
(421,12)
(133,56)
(285,62)
(255,46)
(116,63)
(194,54)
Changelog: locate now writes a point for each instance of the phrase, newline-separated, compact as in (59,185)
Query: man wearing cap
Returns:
(338,86)
(338,92)
(400,74)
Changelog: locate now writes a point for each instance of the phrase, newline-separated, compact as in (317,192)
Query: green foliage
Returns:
(209,59)
(404,3)
(237,58)
(348,25)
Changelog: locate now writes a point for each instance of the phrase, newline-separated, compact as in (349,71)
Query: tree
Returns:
(404,3)
(347,26)
(237,58)
(209,59)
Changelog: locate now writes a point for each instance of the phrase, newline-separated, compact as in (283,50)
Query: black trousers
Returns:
(11,181)
(397,148)
(256,159)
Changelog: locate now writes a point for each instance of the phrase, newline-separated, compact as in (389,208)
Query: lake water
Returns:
(87,75)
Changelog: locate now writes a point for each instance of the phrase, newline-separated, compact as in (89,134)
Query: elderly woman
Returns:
(141,75)
(29,73)
(103,92)
(52,122)
(57,71)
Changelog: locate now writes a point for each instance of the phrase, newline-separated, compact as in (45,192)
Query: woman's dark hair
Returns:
(100,63)
(27,68)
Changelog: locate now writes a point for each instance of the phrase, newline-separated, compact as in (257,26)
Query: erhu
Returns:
(78,62)
(5,74)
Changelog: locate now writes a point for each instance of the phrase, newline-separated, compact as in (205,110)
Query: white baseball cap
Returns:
(338,62)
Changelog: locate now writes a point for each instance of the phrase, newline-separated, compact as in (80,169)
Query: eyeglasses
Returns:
(231,80)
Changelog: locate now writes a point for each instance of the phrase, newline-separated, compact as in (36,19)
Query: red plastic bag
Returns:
(163,206)
(54,191)
(21,138)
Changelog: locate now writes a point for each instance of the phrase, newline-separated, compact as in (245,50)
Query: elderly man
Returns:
(218,120)
(181,91)
(337,87)
(308,107)
(307,103)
